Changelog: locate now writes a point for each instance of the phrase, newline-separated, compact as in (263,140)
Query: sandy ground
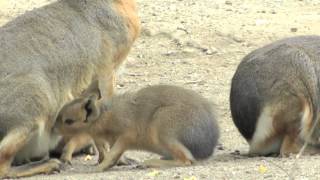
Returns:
(198,44)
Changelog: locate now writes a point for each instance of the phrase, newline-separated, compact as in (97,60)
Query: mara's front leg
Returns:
(107,83)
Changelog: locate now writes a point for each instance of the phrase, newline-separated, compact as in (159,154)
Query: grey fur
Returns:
(50,53)
(278,75)
(179,113)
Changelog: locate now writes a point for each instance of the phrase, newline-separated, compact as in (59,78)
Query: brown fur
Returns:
(47,57)
(158,119)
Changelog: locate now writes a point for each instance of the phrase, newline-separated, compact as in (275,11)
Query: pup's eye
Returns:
(69,121)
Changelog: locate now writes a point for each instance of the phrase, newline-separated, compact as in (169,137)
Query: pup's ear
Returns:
(93,89)
(91,108)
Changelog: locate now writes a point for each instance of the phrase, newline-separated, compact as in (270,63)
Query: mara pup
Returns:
(176,123)
(275,97)
(48,56)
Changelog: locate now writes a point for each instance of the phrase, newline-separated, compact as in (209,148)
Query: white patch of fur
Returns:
(8,139)
(70,96)
(264,129)
(305,120)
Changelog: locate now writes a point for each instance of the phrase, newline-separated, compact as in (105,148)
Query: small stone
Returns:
(228,3)
(236,38)
(120,86)
(294,29)
(210,51)
(189,50)
(148,32)
(221,148)
(140,56)
(177,176)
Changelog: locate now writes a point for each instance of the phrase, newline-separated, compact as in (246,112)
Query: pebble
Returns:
(148,32)
(210,51)
(228,3)
(189,50)
(294,29)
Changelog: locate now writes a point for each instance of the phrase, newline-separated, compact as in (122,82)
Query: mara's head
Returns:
(79,114)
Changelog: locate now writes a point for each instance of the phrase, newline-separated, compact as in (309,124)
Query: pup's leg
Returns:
(180,154)
(113,156)
(75,144)
(10,145)
(103,148)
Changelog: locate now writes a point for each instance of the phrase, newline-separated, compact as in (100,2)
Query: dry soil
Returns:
(198,44)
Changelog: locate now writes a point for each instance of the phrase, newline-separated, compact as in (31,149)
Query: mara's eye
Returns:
(69,121)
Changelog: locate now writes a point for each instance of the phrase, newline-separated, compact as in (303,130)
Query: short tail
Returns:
(202,138)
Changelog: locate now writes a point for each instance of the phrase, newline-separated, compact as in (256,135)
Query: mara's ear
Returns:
(93,89)
(91,108)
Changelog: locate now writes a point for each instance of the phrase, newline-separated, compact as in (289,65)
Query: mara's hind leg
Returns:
(290,145)
(40,167)
(181,156)
(10,145)
(297,120)
(293,145)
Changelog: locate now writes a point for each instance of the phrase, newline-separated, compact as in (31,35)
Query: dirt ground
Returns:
(198,44)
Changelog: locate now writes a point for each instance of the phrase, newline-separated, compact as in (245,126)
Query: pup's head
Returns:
(77,115)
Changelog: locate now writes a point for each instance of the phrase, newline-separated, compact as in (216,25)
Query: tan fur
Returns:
(75,144)
(286,131)
(48,56)
(154,119)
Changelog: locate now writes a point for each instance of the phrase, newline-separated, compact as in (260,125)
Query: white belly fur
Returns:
(38,146)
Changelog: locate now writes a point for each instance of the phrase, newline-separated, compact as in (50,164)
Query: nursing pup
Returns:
(168,120)
(275,96)
(48,56)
